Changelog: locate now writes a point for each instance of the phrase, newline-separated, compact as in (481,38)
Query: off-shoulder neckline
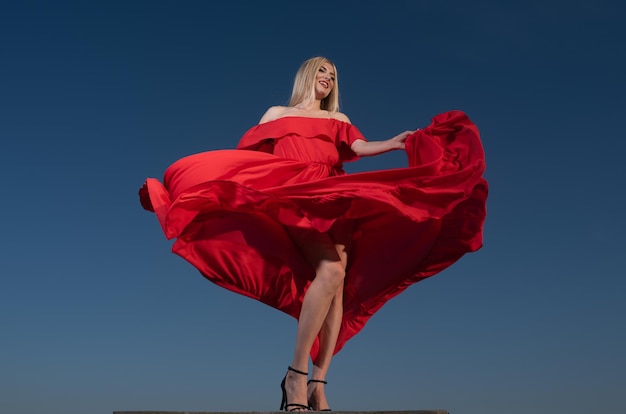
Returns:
(304,117)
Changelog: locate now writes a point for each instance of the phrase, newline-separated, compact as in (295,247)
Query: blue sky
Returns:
(97,315)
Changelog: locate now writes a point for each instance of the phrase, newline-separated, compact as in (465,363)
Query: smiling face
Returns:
(316,80)
(324,80)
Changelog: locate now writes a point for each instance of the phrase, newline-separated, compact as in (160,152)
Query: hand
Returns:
(398,140)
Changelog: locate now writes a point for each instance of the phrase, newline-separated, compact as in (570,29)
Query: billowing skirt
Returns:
(230,210)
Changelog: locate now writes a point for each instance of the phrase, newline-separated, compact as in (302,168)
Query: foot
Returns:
(296,389)
(317,396)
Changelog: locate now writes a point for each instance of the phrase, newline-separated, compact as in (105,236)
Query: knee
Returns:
(332,273)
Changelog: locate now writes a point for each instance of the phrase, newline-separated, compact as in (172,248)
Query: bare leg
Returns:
(328,340)
(320,250)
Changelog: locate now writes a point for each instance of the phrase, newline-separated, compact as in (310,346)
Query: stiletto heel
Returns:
(310,403)
(284,404)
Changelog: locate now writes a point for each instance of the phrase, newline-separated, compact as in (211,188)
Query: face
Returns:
(324,80)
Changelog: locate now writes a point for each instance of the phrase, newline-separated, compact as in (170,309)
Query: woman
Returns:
(315,95)
(282,223)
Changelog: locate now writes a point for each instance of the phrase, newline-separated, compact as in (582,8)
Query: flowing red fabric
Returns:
(229,210)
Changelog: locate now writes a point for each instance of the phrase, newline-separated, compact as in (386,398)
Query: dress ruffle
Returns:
(228,211)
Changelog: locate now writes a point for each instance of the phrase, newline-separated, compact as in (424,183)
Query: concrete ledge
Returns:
(279,412)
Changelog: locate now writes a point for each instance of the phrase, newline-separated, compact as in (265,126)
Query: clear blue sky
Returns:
(97,315)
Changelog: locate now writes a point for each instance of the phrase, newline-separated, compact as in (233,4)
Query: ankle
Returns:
(296,377)
(293,369)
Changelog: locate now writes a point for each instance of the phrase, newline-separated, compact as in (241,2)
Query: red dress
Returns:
(228,210)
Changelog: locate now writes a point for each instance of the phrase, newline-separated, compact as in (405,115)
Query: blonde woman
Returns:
(279,220)
(316,95)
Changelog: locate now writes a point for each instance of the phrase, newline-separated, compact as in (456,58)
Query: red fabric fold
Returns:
(228,210)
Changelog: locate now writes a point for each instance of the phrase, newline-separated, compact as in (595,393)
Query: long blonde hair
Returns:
(304,85)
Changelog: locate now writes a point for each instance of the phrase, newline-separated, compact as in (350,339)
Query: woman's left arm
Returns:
(366,148)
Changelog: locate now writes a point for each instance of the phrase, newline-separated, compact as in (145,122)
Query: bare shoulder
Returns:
(273,113)
(341,117)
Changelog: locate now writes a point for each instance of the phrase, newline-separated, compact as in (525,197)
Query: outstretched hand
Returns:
(366,148)
(399,139)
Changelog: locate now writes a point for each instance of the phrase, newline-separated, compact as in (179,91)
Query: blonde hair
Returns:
(304,85)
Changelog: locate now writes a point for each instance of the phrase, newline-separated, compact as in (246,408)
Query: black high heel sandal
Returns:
(321,382)
(284,404)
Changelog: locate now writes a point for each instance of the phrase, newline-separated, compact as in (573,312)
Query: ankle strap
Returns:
(315,380)
(297,372)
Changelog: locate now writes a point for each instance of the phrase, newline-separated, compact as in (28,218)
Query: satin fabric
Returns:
(229,210)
